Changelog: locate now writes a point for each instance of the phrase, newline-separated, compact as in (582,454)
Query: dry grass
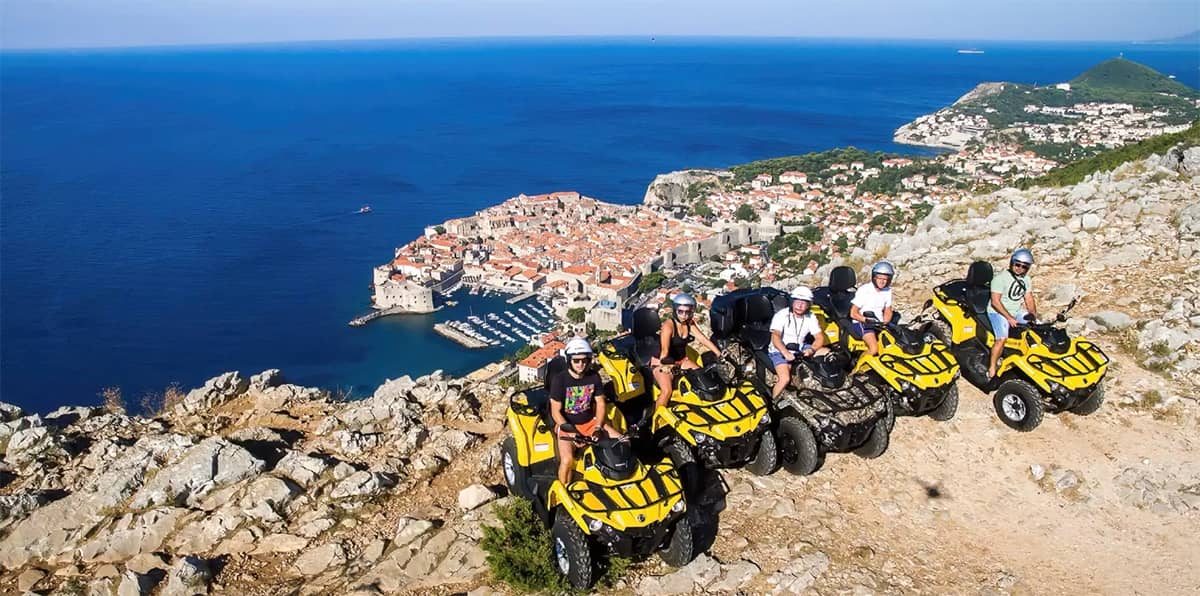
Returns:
(114,402)
(154,404)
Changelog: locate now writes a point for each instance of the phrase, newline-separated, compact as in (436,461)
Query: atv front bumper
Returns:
(730,453)
(636,542)
(840,438)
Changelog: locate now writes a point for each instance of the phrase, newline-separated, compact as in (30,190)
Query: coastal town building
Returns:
(532,368)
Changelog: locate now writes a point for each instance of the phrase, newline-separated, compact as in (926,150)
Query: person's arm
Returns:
(887,315)
(601,409)
(856,314)
(999,306)
(664,336)
(777,341)
(1030,304)
(703,339)
(556,413)
(818,338)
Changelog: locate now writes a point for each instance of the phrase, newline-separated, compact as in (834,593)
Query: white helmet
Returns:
(883,268)
(578,346)
(683,299)
(802,293)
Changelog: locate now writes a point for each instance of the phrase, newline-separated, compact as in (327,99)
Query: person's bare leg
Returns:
(783,375)
(997,350)
(665,380)
(566,460)
(872,347)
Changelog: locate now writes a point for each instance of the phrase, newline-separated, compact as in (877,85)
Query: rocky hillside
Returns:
(256,486)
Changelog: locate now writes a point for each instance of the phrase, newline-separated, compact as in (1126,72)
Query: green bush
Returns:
(576,315)
(519,553)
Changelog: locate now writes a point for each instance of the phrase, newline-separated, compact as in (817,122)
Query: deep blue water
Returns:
(171,213)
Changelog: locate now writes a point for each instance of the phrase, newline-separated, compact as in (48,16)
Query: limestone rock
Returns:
(475,495)
(671,189)
(1111,320)
(189,577)
(799,574)
(132,534)
(409,529)
(9,412)
(300,468)
(735,576)
(266,379)
(212,463)
(31,445)
(362,484)
(136,584)
(215,392)
(316,561)
(29,578)
(280,543)
(16,507)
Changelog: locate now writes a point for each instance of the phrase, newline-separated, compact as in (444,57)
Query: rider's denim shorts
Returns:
(777,358)
(1000,324)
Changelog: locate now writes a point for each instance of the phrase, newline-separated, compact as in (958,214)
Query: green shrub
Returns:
(519,553)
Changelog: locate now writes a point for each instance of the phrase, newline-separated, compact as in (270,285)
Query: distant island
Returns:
(1193,37)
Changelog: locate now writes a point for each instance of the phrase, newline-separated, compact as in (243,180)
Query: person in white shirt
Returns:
(874,299)
(795,332)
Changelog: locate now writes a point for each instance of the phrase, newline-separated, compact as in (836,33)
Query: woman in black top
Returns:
(676,333)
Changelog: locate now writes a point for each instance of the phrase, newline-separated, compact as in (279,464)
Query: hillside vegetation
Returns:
(1119,76)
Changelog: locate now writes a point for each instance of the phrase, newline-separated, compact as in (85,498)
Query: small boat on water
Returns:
(364,209)
(970,51)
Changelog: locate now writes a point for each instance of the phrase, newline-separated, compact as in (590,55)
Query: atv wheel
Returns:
(681,548)
(767,458)
(1019,405)
(949,405)
(1091,403)
(572,555)
(941,330)
(878,440)
(797,447)
(683,460)
(515,476)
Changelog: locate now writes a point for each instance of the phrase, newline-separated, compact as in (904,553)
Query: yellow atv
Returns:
(918,368)
(614,501)
(709,420)
(1041,369)
(823,410)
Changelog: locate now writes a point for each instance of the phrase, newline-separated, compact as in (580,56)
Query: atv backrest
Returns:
(556,365)
(979,286)
(756,309)
(841,290)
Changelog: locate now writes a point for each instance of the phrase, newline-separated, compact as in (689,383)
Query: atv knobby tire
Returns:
(941,330)
(1018,403)
(571,552)
(798,453)
(879,439)
(949,405)
(515,476)
(766,459)
(681,548)
(1091,403)
(685,463)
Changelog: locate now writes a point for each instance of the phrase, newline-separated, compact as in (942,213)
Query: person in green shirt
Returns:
(1012,299)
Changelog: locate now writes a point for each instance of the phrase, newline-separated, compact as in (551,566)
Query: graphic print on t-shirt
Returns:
(1016,290)
(578,399)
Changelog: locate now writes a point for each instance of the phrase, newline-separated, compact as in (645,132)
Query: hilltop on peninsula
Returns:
(1115,102)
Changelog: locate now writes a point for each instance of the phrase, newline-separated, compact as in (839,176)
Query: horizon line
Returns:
(597,36)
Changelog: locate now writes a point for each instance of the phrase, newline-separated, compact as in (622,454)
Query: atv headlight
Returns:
(701,438)
(595,525)
(906,387)
(765,420)
(1057,389)
(678,506)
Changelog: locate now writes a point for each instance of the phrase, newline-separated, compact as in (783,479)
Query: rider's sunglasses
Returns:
(684,311)
(581,359)
(1021,265)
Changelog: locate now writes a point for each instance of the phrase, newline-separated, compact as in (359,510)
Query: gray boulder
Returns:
(9,412)
(300,468)
(475,495)
(266,379)
(189,577)
(215,392)
(212,463)
(316,561)
(362,484)
(33,445)
(1111,320)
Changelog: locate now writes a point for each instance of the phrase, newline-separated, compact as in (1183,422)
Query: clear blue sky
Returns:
(81,23)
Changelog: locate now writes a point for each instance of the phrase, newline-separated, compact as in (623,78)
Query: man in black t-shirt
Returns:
(579,396)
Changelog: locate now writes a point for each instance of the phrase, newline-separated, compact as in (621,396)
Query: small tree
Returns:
(440,229)
(523,352)
(746,213)
(576,315)
(702,209)
(651,281)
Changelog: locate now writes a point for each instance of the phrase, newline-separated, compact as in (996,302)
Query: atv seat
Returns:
(978,287)
(539,397)
(841,291)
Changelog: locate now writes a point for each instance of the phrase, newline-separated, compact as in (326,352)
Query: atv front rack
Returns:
(602,500)
(1084,362)
(709,414)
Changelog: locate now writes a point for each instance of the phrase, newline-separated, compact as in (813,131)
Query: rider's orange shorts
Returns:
(583,428)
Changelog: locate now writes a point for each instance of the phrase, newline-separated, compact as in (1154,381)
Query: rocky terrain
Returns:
(255,486)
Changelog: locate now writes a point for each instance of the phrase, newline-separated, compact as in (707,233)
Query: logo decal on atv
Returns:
(541,447)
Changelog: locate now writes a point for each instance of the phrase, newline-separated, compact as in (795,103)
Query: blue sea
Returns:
(169,214)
